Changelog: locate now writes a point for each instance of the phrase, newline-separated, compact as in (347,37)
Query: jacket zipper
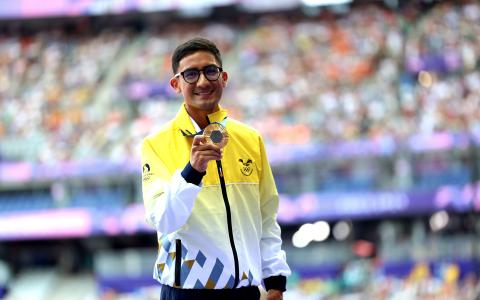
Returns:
(178,261)
(229,221)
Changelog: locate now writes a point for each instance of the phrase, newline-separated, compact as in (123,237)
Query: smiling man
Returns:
(214,209)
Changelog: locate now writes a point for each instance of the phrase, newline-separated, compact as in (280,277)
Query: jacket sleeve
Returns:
(274,265)
(168,198)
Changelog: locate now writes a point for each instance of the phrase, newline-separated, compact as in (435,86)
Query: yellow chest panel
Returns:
(239,164)
(241,160)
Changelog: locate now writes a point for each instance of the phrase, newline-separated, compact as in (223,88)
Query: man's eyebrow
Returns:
(200,68)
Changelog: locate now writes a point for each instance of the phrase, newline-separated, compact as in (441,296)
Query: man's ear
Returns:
(224,79)
(175,84)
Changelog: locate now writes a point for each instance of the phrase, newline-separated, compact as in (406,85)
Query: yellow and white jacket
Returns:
(202,243)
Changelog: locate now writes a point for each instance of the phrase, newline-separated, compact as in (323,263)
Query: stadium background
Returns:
(370,111)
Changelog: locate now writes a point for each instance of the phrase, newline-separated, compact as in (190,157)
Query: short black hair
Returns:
(192,46)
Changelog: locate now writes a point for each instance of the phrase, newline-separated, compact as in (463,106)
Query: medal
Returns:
(215,133)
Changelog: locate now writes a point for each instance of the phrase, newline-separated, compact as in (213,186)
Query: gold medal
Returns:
(216,133)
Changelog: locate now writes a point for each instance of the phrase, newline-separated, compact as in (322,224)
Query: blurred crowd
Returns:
(413,287)
(446,45)
(368,73)
(48,87)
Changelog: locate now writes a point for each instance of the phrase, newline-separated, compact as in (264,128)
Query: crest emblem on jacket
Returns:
(246,166)
(147,173)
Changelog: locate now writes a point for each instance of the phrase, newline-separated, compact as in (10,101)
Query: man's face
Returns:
(202,95)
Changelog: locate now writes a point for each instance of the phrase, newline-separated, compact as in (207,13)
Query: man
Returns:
(214,209)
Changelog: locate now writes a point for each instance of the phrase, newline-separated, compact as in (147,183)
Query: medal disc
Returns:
(216,133)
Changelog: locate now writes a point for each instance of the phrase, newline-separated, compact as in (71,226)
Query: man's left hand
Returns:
(274,295)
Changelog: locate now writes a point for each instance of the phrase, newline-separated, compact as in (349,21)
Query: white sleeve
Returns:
(168,198)
(173,205)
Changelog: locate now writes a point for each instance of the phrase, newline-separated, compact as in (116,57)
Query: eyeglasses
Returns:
(211,72)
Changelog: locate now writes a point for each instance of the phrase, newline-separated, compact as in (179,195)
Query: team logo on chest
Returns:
(246,166)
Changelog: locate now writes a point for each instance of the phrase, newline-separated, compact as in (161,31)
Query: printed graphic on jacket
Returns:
(146,172)
(199,261)
(246,166)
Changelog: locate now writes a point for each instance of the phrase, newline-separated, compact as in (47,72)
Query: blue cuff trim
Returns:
(191,175)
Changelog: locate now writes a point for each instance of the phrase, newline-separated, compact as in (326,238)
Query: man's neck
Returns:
(200,116)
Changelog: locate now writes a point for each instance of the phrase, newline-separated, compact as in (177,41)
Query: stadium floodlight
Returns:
(267,5)
(303,236)
(324,2)
(321,231)
(342,230)
(439,220)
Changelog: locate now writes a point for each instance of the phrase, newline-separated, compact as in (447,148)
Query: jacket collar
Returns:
(185,126)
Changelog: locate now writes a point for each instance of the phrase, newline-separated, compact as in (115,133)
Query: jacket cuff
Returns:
(191,175)
(276,282)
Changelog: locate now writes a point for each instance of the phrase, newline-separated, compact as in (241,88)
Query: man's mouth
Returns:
(204,93)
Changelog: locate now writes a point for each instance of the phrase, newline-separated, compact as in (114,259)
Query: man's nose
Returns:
(202,79)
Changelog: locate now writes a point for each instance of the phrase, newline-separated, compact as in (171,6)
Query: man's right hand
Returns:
(202,153)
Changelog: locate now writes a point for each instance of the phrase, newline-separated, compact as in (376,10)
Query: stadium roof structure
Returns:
(31,9)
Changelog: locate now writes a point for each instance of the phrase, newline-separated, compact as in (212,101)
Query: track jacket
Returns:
(207,240)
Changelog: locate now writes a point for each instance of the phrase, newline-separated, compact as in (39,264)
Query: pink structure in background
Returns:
(46,224)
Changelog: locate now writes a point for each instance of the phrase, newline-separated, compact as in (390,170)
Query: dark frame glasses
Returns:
(211,72)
